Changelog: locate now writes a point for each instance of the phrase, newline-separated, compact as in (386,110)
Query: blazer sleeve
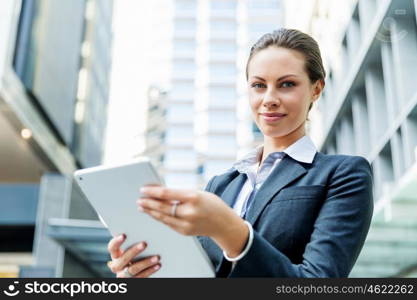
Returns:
(338,236)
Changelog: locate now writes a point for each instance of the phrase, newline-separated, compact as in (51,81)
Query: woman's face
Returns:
(280,91)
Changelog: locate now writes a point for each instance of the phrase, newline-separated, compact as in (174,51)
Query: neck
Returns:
(277,144)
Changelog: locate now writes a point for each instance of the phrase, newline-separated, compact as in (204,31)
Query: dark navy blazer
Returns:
(309,220)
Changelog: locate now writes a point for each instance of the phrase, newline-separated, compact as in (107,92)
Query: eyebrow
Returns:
(279,79)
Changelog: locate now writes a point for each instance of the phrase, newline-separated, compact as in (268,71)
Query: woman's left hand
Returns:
(197,213)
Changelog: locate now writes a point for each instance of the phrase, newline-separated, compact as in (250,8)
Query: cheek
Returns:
(255,100)
(295,102)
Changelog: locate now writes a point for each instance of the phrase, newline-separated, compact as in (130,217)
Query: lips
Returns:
(272,117)
(273,114)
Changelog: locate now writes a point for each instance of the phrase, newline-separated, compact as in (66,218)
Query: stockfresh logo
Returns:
(11,290)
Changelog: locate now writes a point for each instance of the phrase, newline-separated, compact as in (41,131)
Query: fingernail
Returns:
(139,203)
(156,267)
(141,246)
(143,189)
(120,237)
(154,259)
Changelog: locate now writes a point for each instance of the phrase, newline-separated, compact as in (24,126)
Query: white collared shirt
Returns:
(303,150)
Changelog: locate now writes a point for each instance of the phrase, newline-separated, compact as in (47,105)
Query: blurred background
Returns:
(87,82)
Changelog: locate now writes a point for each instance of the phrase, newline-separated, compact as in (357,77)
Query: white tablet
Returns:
(113,192)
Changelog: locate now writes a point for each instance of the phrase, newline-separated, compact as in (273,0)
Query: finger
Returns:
(120,263)
(143,264)
(148,272)
(175,223)
(139,266)
(153,184)
(153,204)
(144,190)
(114,246)
(165,193)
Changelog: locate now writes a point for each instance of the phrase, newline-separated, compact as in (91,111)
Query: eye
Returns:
(258,85)
(287,84)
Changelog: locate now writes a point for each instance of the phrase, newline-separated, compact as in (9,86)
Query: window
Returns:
(184,66)
(181,180)
(182,90)
(222,97)
(220,25)
(264,4)
(185,4)
(222,93)
(184,45)
(180,112)
(222,70)
(179,136)
(219,47)
(222,120)
(185,24)
(261,28)
(221,145)
(180,159)
(222,4)
(48,48)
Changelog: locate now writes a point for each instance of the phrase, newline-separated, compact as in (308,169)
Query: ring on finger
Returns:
(174,208)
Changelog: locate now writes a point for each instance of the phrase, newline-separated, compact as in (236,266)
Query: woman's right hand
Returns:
(122,259)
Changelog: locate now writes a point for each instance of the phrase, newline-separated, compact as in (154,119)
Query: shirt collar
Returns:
(303,150)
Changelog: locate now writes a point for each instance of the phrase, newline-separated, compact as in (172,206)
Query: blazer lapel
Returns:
(230,194)
(283,174)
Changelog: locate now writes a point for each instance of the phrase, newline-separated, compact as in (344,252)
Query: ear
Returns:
(317,89)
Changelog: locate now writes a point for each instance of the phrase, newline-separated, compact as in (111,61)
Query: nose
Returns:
(271,99)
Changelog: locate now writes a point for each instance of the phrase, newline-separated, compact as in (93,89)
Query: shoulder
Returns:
(340,158)
(342,171)
(349,173)
(340,162)
(218,180)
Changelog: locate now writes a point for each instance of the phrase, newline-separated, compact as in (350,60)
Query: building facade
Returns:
(369,108)
(220,118)
(55,60)
(180,158)
(208,123)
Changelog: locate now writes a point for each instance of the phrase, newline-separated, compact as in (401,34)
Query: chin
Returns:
(274,133)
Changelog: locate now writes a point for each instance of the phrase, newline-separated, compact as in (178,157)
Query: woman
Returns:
(285,210)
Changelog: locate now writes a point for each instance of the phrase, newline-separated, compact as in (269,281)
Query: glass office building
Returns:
(54,83)
(180,158)
(370,109)
(208,123)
